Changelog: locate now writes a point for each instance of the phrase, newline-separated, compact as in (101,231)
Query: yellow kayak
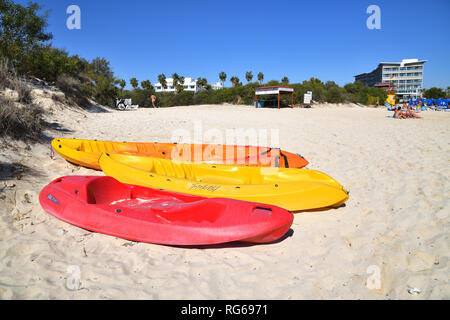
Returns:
(292,189)
(86,153)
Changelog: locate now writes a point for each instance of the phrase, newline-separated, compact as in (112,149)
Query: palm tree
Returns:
(134,83)
(202,82)
(234,80)
(180,83)
(146,84)
(223,77)
(260,77)
(162,80)
(176,79)
(122,83)
(248,76)
(285,80)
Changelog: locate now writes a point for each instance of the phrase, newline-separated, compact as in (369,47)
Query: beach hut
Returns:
(274,90)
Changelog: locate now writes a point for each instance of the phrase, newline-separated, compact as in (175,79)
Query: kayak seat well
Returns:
(106,190)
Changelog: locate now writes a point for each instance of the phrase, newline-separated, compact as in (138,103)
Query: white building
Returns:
(217,85)
(406,77)
(189,84)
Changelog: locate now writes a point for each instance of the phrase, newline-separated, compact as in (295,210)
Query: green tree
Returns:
(134,83)
(202,83)
(223,77)
(122,83)
(181,80)
(273,83)
(260,77)
(335,95)
(434,93)
(146,84)
(317,87)
(356,92)
(48,63)
(162,80)
(331,84)
(104,89)
(176,79)
(285,81)
(178,82)
(234,81)
(101,66)
(22,30)
(248,76)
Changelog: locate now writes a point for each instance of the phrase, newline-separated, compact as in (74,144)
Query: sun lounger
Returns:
(125,104)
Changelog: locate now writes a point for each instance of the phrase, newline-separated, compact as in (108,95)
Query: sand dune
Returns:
(395,224)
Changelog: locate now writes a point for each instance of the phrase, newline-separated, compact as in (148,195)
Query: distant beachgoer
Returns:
(153,97)
(398,113)
(410,113)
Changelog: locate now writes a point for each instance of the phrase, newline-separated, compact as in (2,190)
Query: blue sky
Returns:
(328,40)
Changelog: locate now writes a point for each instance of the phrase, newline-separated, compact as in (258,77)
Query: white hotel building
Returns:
(405,76)
(189,84)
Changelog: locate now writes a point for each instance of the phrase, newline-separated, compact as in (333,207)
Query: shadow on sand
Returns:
(321,209)
(10,171)
(96,109)
(54,126)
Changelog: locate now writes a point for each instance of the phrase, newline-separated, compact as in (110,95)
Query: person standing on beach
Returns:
(153,97)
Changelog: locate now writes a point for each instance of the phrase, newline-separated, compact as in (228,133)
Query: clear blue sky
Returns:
(298,39)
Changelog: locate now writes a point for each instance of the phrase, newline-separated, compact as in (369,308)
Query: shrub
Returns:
(434,93)
(5,74)
(23,89)
(73,90)
(20,123)
(68,84)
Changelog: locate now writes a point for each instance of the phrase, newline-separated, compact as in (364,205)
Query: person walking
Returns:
(153,97)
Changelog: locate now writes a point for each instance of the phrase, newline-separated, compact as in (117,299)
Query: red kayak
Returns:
(103,204)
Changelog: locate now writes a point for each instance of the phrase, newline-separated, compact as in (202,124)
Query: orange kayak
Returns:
(87,152)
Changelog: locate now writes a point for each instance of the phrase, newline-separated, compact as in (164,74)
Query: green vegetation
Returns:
(435,93)
(146,84)
(245,94)
(23,122)
(260,77)
(223,77)
(21,32)
(122,83)
(134,83)
(249,76)
(20,123)
(235,81)
(162,80)
(24,43)
(202,83)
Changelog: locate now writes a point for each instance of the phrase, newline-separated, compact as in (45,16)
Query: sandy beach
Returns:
(390,241)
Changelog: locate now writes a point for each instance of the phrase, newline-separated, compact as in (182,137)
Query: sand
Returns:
(390,241)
